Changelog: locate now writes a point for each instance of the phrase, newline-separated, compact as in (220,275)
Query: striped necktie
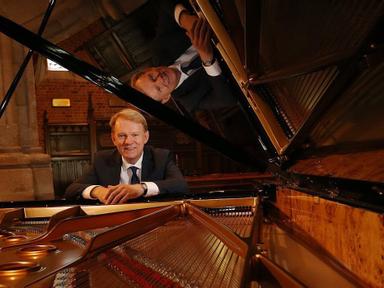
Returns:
(134,178)
(191,67)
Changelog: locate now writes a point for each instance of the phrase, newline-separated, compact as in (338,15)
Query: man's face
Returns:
(158,82)
(129,138)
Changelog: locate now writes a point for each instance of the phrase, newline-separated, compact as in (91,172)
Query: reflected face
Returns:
(129,138)
(158,82)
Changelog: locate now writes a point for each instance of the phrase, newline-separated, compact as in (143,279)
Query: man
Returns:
(130,171)
(194,81)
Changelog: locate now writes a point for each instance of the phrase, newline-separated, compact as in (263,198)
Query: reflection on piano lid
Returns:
(299,64)
(312,73)
(303,69)
(254,156)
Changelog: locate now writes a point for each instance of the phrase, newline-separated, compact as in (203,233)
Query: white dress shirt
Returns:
(125,178)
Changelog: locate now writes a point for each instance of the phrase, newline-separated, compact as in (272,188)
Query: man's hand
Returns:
(186,20)
(123,192)
(117,194)
(100,193)
(200,36)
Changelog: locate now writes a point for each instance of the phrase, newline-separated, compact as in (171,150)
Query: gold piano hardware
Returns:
(17,268)
(230,54)
(214,239)
(14,239)
(36,250)
(147,225)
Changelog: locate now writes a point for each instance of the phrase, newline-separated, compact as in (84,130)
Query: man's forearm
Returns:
(86,193)
(198,32)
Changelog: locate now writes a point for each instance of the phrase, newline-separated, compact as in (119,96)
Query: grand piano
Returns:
(309,79)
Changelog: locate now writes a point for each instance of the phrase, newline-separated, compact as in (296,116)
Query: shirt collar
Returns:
(183,76)
(125,165)
(187,56)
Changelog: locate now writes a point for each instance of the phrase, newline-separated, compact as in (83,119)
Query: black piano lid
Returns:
(304,62)
(17,78)
(314,68)
(115,86)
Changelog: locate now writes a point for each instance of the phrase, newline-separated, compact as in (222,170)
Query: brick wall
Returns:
(78,92)
(72,87)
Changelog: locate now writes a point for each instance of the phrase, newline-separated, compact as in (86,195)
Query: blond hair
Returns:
(131,115)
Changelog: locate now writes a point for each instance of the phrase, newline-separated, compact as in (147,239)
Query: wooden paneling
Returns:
(353,236)
(363,165)
(66,170)
(229,182)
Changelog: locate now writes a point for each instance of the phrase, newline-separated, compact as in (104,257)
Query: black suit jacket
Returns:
(158,167)
(170,40)
(203,92)
(199,91)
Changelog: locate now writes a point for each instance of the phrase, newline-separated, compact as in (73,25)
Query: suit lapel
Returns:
(192,91)
(114,168)
(147,165)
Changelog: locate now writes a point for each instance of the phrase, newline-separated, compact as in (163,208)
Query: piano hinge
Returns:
(244,84)
(278,160)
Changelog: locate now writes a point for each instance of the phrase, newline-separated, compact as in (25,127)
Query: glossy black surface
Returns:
(115,86)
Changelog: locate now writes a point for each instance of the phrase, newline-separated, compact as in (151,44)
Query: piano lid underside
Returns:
(357,114)
(311,72)
(312,33)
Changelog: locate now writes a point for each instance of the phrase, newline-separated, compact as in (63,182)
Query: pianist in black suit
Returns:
(187,71)
(130,171)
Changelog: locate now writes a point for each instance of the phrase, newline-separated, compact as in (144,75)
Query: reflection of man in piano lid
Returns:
(130,171)
(194,79)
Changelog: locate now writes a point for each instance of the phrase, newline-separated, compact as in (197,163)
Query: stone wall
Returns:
(25,171)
